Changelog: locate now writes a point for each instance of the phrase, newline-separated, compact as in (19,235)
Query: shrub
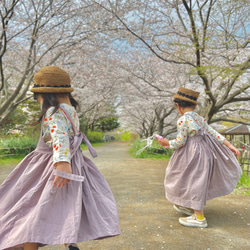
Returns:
(244,183)
(17,145)
(155,151)
(95,136)
(125,136)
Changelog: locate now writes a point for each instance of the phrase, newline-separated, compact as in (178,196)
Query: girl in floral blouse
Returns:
(56,195)
(202,167)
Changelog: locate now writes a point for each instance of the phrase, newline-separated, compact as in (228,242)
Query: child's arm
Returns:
(231,147)
(181,136)
(65,167)
(57,125)
(214,133)
(221,139)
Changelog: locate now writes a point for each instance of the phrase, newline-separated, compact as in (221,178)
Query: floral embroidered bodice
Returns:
(188,126)
(57,130)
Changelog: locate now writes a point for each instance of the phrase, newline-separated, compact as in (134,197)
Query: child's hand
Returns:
(164,142)
(65,167)
(231,147)
(234,150)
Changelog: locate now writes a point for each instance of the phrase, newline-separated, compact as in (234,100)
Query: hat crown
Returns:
(51,79)
(52,76)
(187,95)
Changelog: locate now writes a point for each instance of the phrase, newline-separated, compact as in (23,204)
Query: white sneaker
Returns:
(184,210)
(193,221)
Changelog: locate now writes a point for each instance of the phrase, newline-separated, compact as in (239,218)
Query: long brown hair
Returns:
(51,100)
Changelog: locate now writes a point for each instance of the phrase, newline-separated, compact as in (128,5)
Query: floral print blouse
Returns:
(57,129)
(187,126)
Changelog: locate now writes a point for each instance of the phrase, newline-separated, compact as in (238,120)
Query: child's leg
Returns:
(30,246)
(199,214)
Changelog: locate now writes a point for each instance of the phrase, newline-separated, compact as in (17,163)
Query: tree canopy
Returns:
(133,54)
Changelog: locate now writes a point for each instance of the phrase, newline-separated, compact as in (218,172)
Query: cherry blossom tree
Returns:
(208,41)
(33,34)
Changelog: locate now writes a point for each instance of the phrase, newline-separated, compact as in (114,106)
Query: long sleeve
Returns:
(57,130)
(188,126)
(214,133)
(181,134)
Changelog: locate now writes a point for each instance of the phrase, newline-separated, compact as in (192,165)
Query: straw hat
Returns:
(51,79)
(187,95)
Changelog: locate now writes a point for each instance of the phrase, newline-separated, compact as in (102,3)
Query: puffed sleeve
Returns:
(58,127)
(181,134)
(213,132)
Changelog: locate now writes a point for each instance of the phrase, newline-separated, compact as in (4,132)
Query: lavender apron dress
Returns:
(201,170)
(32,210)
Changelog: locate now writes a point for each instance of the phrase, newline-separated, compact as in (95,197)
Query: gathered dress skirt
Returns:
(32,210)
(201,170)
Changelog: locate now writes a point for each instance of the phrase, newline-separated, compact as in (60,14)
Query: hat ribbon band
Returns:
(61,86)
(187,96)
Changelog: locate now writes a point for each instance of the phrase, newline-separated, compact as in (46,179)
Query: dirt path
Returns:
(148,220)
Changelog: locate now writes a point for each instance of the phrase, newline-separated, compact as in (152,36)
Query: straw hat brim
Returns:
(177,96)
(51,90)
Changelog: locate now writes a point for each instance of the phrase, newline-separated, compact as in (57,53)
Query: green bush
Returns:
(125,136)
(155,151)
(95,136)
(17,145)
(244,183)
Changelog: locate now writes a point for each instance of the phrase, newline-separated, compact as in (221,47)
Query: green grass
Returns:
(153,152)
(95,144)
(11,160)
(17,145)
(243,185)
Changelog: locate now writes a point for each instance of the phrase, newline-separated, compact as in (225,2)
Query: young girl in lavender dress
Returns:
(202,167)
(56,195)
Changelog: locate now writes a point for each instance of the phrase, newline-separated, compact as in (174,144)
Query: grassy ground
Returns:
(153,152)
(11,160)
